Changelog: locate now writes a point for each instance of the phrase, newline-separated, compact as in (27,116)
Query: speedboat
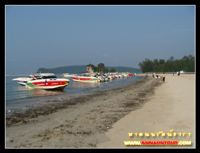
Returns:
(86,78)
(116,76)
(110,77)
(128,74)
(120,76)
(105,77)
(22,81)
(67,75)
(100,77)
(47,81)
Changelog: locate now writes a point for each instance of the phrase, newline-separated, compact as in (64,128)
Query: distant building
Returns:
(89,68)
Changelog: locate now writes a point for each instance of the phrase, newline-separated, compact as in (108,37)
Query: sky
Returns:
(117,35)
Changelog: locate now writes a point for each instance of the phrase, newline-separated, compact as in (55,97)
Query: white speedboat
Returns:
(86,78)
(100,77)
(22,81)
(47,81)
(110,77)
(67,75)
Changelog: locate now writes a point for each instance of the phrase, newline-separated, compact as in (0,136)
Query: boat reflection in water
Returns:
(84,85)
(39,92)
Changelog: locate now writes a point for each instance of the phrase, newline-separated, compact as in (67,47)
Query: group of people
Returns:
(163,76)
(178,73)
(156,76)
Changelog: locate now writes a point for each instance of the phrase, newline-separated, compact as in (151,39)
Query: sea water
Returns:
(18,98)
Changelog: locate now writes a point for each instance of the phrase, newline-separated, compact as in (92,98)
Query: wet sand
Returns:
(85,122)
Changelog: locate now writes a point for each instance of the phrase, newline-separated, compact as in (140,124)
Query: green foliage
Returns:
(124,69)
(105,70)
(113,70)
(187,63)
(101,66)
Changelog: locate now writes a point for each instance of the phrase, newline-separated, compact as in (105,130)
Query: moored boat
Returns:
(128,74)
(67,75)
(47,81)
(86,78)
(22,81)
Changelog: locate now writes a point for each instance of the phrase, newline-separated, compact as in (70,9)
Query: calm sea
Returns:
(19,99)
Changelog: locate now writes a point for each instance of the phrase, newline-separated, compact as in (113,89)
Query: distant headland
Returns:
(82,69)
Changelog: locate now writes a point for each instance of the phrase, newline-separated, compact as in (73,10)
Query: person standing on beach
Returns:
(163,76)
(173,73)
(157,75)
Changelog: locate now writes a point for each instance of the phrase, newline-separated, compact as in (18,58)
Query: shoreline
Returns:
(80,122)
(103,119)
(53,105)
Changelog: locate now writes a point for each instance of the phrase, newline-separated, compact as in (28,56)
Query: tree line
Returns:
(187,63)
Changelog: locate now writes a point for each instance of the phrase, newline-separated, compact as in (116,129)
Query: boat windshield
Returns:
(86,75)
(48,77)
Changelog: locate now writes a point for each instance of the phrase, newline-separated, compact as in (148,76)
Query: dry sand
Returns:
(172,107)
(105,118)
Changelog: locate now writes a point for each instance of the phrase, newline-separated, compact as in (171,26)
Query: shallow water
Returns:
(19,99)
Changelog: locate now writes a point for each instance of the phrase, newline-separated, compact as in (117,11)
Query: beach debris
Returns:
(70,121)
(11,140)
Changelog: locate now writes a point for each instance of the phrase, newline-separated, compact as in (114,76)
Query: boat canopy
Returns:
(45,75)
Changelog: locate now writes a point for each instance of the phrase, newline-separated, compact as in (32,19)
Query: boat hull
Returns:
(22,83)
(68,75)
(86,79)
(48,84)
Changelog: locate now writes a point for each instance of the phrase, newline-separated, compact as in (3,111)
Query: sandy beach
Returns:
(171,107)
(104,119)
